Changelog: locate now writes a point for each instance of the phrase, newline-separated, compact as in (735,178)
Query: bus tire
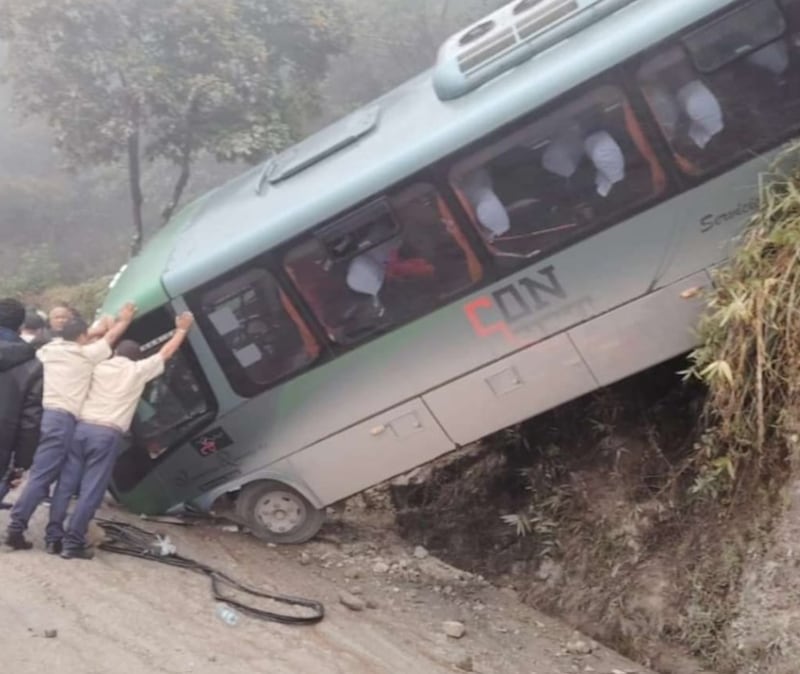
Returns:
(276,513)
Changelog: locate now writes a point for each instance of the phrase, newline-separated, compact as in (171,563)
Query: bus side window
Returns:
(255,332)
(393,266)
(560,178)
(730,87)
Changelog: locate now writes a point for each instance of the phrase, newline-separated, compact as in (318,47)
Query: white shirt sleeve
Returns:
(97,351)
(149,368)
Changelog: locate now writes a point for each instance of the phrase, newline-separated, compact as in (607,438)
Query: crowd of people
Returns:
(68,395)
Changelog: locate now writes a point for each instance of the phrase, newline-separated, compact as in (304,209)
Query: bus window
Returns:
(167,405)
(254,330)
(560,178)
(384,265)
(730,88)
(172,407)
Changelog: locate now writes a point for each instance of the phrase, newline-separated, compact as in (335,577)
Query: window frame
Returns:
(188,430)
(207,418)
(425,178)
(633,66)
(236,376)
(614,78)
(705,26)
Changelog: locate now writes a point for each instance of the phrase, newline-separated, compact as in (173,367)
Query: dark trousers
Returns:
(51,454)
(88,469)
(5,487)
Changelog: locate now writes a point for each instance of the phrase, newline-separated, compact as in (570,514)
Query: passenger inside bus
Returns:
(405,269)
(741,99)
(559,177)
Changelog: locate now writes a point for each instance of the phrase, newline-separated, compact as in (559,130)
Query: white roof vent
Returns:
(510,36)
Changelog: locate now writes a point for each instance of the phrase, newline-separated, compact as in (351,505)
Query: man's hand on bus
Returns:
(124,318)
(184,321)
(127,312)
(182,325)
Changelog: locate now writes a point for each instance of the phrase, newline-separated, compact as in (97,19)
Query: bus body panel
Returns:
(711,217)
(607,306)
(589,279)
(386,445)
(536,379)
(643,333)
(522,309)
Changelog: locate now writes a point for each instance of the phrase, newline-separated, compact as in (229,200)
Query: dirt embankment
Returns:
(591,514)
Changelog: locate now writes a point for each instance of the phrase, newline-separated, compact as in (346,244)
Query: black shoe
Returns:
(54,548)
(17,541)
(78,553)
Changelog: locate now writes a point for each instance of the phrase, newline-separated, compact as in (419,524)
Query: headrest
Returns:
(563,155)
(365,275)
(607,157)
(704,112)
(489,210)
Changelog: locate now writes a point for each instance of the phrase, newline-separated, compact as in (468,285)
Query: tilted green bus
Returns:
(530,220)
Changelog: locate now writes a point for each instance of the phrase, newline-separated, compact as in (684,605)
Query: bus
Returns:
(532,219)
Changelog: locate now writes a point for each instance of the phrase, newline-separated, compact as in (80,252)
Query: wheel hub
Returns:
(281,512)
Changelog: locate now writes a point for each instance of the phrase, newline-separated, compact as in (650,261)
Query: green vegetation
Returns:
(750,353)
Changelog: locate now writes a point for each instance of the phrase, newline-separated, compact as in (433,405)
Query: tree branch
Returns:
(185,162)
(180,185)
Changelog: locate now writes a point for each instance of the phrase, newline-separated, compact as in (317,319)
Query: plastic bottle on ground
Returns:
(227,615)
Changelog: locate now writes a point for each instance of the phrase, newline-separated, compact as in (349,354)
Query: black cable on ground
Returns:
(130,540)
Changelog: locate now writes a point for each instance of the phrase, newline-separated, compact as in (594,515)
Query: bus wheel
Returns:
(277,513)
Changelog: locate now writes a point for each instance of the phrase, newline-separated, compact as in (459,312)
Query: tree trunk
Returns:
(186,157)
(135,181)
(180,185)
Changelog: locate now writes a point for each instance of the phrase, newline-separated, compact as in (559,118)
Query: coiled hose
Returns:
(127,539)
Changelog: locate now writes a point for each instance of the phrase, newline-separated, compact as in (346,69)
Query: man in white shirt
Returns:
(68,363)
(116,387)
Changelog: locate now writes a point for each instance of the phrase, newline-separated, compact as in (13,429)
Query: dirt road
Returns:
(118,615)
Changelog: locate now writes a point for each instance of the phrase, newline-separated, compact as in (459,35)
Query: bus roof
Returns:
(414,129)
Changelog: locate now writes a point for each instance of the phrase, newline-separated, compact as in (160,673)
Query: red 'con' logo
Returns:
(516,304)
(211,442)
(207,446)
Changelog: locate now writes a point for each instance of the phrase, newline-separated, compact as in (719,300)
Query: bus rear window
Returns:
(734,35)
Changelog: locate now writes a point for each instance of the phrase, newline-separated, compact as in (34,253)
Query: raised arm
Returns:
(100,327)
(183,323)
(124,319)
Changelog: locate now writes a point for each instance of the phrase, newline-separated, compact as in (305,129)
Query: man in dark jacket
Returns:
(20,394)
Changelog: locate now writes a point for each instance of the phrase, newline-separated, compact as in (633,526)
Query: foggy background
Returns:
(64,227)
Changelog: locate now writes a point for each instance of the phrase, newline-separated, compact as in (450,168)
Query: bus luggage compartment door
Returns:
(531,381)
(375,450)
(644,332)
